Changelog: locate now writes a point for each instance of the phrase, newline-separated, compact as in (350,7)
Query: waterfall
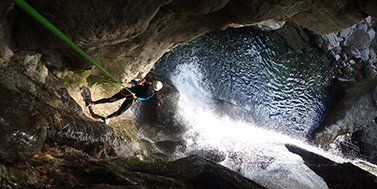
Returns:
(254,152)
(286,100)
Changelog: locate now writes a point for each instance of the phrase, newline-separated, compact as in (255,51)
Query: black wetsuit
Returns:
(141,91)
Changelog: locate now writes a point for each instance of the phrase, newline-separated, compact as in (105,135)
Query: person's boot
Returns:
(107,120)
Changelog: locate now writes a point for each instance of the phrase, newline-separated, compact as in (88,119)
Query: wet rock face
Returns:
(354,115)
(199,172)
(354,112)
(350,127)
(36,110)
(158,119)
(40,122)
(350,43)
(336,175)
(127,37)
(19,143)
(42,127)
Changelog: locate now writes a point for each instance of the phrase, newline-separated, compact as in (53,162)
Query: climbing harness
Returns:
(128,96)
(32,12)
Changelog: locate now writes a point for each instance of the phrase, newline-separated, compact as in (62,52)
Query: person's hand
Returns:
(135,97)
(141,82)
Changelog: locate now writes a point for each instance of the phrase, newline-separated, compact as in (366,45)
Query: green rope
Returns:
(27,8)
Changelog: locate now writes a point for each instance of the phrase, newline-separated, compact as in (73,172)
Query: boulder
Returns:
(336,175)
(272,24)
(200,173)
(352,51)
(355,112)
(327,42)
(360,39)
(351,43)
(158,117)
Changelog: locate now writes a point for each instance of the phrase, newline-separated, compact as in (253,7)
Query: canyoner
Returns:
(141,89)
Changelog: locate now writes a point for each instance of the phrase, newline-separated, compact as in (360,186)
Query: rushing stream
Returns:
(282,92)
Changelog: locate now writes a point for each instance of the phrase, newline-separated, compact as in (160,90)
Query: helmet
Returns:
(157,85)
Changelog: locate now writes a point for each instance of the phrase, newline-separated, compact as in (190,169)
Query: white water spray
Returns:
(254,152)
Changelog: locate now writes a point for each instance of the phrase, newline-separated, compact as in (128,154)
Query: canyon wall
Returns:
(43,126)
(127,37)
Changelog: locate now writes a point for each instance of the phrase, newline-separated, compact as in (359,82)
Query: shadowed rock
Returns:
(336,175)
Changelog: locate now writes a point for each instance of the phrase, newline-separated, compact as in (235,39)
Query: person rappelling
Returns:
(140,90)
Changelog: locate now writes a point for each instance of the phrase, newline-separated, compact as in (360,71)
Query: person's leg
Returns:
(126,104)
(115,97)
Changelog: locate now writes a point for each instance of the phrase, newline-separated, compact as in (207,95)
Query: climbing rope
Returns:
(30,10)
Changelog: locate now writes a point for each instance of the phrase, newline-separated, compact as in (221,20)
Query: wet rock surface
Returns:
(199,172)
(39,119)
(350,126)
(158,119)
(128,37)
(74,170)
(336,175)
(354,112)
(48,139)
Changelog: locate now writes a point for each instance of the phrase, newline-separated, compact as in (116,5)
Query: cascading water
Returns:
(283,90)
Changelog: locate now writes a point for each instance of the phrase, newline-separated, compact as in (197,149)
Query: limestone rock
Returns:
(35,69)
(336,175)
(158,117)
(328,41)
(39,118)
(350,46)
(370,71)
(23,134)
(190,172)
(127,37)
(360,39)
(198,7)
(345,32)
(354,112)
(202,173)
(352,51)
(366,141)
(272,24)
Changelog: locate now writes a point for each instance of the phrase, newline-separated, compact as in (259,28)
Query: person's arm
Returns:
(140,82)
(146,98)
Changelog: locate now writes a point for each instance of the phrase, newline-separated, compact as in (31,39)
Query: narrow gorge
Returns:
(323,49)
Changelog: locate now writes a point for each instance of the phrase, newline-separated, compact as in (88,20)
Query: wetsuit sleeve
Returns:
(135,81)
(145,95)
(144,98)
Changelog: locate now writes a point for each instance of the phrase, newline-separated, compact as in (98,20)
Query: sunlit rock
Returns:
(352,42)
(355,112)
(336,175)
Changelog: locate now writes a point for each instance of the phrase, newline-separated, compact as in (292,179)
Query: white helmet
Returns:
(157,85)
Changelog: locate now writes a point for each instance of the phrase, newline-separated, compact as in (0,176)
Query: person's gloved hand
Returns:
(141,82)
